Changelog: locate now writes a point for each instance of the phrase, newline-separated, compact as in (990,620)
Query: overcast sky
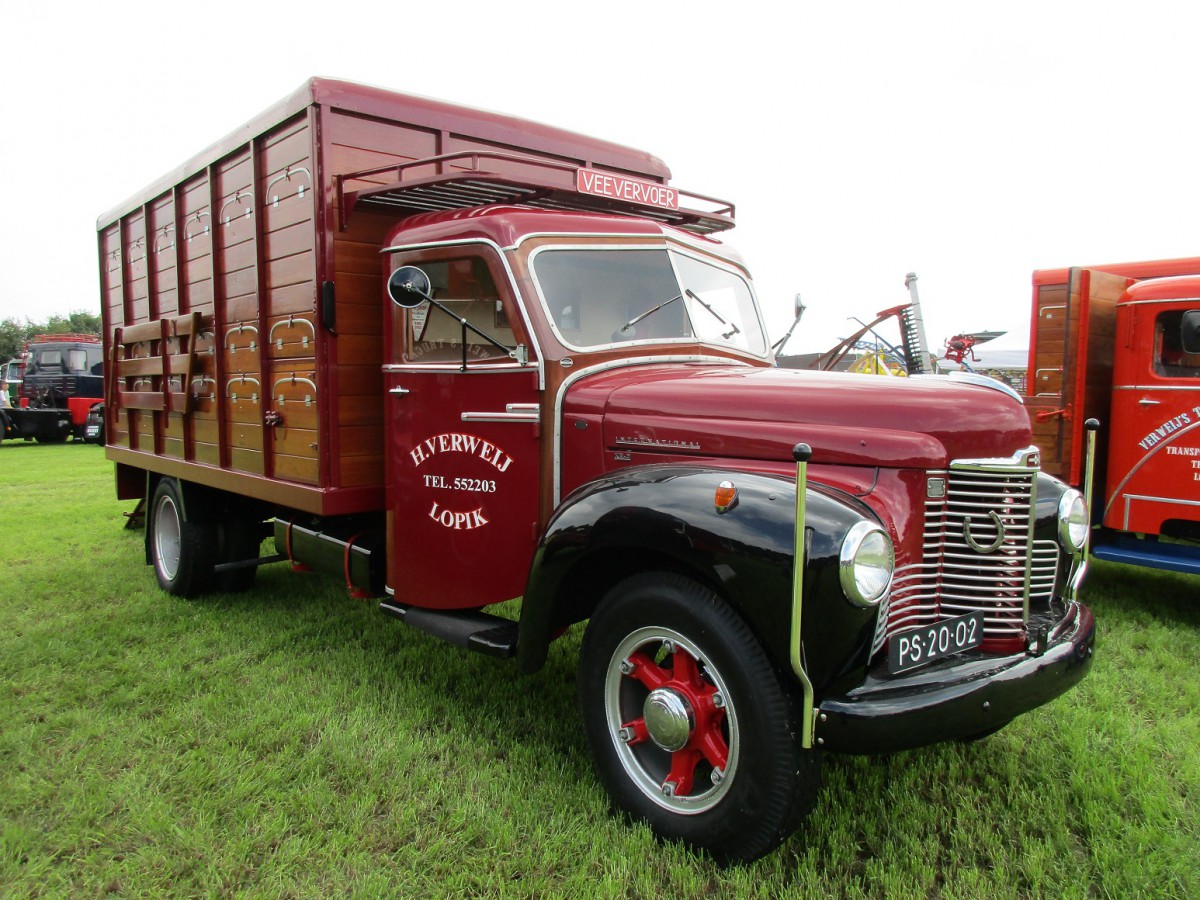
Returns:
(970,143)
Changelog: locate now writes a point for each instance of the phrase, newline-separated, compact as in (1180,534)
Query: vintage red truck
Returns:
(460,358)
(1120,345)
(61,382)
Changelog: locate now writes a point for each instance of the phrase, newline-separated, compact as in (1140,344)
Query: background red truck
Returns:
(1118,343)
(61,382)
(458,358)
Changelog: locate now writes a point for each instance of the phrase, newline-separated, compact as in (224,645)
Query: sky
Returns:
(969,143)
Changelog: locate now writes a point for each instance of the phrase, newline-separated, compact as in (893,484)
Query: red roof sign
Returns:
(621,187)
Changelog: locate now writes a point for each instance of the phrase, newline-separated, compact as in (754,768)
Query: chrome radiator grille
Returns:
(977,553)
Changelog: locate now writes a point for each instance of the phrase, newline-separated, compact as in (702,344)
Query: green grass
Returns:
(294,742)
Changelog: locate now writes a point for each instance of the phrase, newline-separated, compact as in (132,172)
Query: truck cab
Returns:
(1153,475)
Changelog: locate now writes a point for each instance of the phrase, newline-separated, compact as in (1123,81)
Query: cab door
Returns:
(1154,453)
(463,433)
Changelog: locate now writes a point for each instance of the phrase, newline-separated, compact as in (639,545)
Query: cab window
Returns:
(1172,358)
(465,287)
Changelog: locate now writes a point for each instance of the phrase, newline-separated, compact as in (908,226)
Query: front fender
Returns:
(664,517)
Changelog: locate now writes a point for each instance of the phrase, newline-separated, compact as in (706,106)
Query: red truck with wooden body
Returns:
(459,358)
(1120,344)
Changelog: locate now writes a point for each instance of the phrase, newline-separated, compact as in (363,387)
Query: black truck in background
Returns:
(62,383)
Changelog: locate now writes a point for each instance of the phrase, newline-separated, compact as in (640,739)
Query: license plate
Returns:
(915,647)
(92,431)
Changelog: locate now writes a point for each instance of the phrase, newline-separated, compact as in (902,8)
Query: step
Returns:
(478,631)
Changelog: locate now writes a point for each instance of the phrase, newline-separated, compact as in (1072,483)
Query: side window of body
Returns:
(467,288)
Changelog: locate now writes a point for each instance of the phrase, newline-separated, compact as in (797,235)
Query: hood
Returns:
(761,413)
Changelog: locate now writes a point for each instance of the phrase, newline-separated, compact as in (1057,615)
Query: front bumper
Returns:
(959,697)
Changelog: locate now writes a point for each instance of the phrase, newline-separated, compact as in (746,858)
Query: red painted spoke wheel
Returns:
(676,735)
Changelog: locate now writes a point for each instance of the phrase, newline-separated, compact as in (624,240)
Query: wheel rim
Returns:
(166,537)
(671,719)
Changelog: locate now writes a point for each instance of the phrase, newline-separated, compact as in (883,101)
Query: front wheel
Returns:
(689,727)
(182,546)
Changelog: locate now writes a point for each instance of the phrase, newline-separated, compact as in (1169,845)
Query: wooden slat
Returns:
(150,400)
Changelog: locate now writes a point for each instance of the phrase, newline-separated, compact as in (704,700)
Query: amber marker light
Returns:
(725,497)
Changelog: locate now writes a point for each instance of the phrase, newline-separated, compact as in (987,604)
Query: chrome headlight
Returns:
(1073,521)
(867,563)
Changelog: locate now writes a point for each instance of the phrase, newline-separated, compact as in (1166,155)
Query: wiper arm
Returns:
(733,325)
(648,312)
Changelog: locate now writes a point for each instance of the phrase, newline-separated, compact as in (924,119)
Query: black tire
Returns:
(719,696)
(241,539)
(182,548)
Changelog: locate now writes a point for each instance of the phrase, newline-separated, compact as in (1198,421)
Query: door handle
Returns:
(1146,401)
(398,391)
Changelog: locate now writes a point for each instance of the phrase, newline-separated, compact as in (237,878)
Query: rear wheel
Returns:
(182,547)
(689,727)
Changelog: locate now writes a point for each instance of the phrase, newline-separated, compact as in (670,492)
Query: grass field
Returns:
(294,742)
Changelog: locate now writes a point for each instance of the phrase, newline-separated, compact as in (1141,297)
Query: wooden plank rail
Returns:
(168,367)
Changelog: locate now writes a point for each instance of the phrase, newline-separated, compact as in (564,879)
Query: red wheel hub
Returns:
(705,740)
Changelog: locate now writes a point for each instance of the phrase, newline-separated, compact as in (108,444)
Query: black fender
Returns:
(664,518)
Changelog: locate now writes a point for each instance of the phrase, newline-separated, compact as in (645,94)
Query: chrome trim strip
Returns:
(1162,300)
(561,396)
(1190,388)
(1172,500)
(454,368)
(528,417)
(539,357)
(979,380)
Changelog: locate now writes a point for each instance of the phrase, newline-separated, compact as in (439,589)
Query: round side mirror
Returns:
(409,287)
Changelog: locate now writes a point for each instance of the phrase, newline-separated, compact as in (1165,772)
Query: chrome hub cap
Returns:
(668,719)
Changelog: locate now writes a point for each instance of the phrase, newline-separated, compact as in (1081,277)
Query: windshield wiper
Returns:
(648,312)
(733,325)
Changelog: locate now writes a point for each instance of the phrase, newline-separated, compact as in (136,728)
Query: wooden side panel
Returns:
(1072,354)
(359,143)
(1056,315)
(288,318)
(1104,291)
(235,245)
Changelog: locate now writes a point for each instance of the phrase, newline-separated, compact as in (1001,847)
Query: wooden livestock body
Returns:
(241,294)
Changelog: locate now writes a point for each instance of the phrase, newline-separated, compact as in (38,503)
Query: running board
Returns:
(478,631)
(1154,554)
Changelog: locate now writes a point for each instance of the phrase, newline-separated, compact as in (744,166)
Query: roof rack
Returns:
(528,181)
(65,338)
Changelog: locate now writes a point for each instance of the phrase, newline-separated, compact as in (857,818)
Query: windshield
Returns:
(602,297)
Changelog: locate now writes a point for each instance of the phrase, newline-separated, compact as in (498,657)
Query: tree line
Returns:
(14,333)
